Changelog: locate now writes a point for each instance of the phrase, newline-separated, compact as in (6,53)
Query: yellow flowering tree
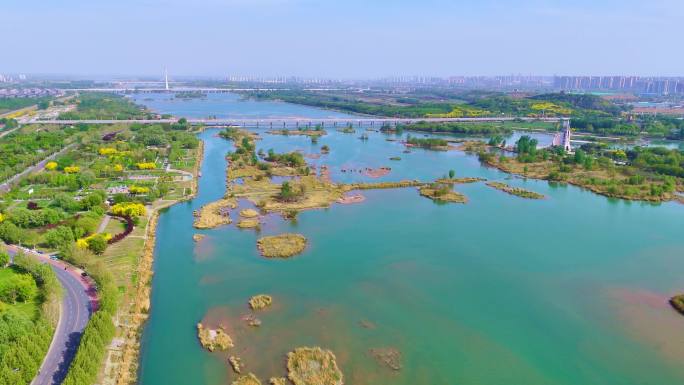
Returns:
(72,169)
(146,166)
(51,166)
(138,190)
(107,151)
(129,209)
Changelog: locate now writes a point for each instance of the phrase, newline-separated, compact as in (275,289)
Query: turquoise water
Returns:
(229,106)
(568,290)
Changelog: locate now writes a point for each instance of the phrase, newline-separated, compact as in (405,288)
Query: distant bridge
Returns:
(297,122)
(206,90)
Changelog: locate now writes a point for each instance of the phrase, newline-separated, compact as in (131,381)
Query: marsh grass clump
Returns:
(517,191)
(198,237)
(236,363)
(214,214)
(677,302)
(277,381)
(249,213)
(213,339)
(281,246)
(260,301)
(451,180)
(313,366)
(249,379)
(442,193)
(389,357)
(248,223)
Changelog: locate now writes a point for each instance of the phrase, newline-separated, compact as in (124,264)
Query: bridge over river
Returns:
(296,122)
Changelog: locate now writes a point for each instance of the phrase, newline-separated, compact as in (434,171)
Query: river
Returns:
(568,290)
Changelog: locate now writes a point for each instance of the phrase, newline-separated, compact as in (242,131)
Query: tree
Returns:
(97,244)
(92,200)
(65,202)
(4,259)
(452,173)
(18,287)
(59,237)
(85,225)
(10,233)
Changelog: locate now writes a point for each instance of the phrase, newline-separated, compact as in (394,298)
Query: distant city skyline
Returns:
(352,39)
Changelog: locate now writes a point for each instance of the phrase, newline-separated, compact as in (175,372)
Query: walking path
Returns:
(104,223)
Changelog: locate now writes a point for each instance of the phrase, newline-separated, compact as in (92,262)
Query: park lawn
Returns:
(121,259)
(115,226)
(29,308)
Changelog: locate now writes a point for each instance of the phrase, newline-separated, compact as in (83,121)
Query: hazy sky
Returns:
(345,38)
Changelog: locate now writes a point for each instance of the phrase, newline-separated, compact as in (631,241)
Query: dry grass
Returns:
(460,180)
(381,185)
(236,363)
(213,339)
(437,195)
(313,366)
(677,303)
(517,191)
(214,214)
(281,246)
(248,223)
(278,381)
(249,213)
(249,379)
(260,301)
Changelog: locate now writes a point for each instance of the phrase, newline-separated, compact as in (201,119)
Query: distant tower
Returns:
(166,79)
(562,139)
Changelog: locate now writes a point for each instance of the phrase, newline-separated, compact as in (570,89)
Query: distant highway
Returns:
(78,303)
(295,120)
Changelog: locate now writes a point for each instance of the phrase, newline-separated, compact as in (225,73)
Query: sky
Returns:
(342,39)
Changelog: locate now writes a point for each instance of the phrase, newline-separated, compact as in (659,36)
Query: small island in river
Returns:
(313,366)
(281,246)
(517,191)
(213,339)
(441,193)
(677,303)
(249,379)
(214,214)
(260,301)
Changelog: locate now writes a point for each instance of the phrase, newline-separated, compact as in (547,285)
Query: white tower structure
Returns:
(166,79)
(562,139)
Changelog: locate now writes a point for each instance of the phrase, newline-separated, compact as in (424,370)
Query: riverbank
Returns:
(121,365)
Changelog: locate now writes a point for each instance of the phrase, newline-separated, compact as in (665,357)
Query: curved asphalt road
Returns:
(77,305)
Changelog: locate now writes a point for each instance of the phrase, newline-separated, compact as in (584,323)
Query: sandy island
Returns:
(313,366)
(517,191)
(281,246)
(213,339)
(260,301)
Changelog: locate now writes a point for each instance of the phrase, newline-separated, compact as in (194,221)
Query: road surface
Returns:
(77,306)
